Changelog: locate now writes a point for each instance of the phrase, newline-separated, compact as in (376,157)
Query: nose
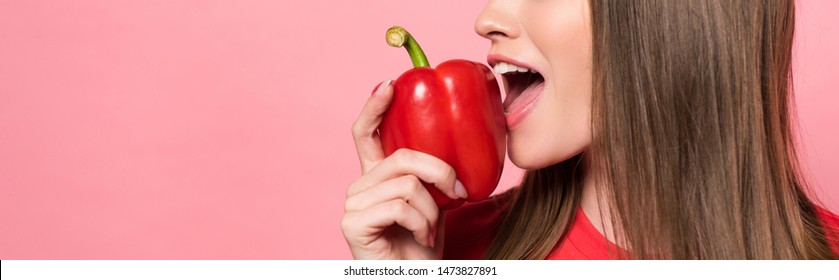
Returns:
(497,21)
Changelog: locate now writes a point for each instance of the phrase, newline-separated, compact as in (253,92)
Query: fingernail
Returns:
(431,239)
(459,190)
(382,87)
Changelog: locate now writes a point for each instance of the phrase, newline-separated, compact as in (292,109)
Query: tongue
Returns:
(530,94)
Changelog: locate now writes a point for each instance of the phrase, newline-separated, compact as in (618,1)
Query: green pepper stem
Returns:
(399,37)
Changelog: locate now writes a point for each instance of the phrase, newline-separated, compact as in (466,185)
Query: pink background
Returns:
(221,129)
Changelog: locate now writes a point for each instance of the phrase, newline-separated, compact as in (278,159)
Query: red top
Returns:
(471,228)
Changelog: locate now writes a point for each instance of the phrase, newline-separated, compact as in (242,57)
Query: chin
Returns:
(525,164)
(528,155)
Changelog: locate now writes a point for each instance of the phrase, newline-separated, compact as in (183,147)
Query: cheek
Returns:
(559,127)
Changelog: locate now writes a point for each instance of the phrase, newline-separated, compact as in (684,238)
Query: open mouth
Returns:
(522,84)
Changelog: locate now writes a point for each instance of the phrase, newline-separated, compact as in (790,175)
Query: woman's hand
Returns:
(388,212)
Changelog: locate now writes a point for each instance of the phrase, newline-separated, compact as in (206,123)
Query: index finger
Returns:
(364,130)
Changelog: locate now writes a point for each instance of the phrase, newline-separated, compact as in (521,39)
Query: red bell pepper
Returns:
(453,112)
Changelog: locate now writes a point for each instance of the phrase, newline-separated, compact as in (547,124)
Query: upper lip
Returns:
(494,59)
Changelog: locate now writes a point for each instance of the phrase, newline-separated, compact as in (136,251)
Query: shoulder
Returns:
(470,228)
(830,223)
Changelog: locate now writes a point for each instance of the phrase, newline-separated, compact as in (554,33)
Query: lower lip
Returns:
(523,105)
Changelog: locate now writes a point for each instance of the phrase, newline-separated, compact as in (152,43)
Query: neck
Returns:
(595,203)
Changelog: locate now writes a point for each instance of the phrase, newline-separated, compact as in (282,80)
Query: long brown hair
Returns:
(692,138)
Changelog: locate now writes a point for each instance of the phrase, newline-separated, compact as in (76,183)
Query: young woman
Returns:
(653,129)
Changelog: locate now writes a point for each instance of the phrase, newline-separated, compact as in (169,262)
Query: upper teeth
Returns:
(503,68)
